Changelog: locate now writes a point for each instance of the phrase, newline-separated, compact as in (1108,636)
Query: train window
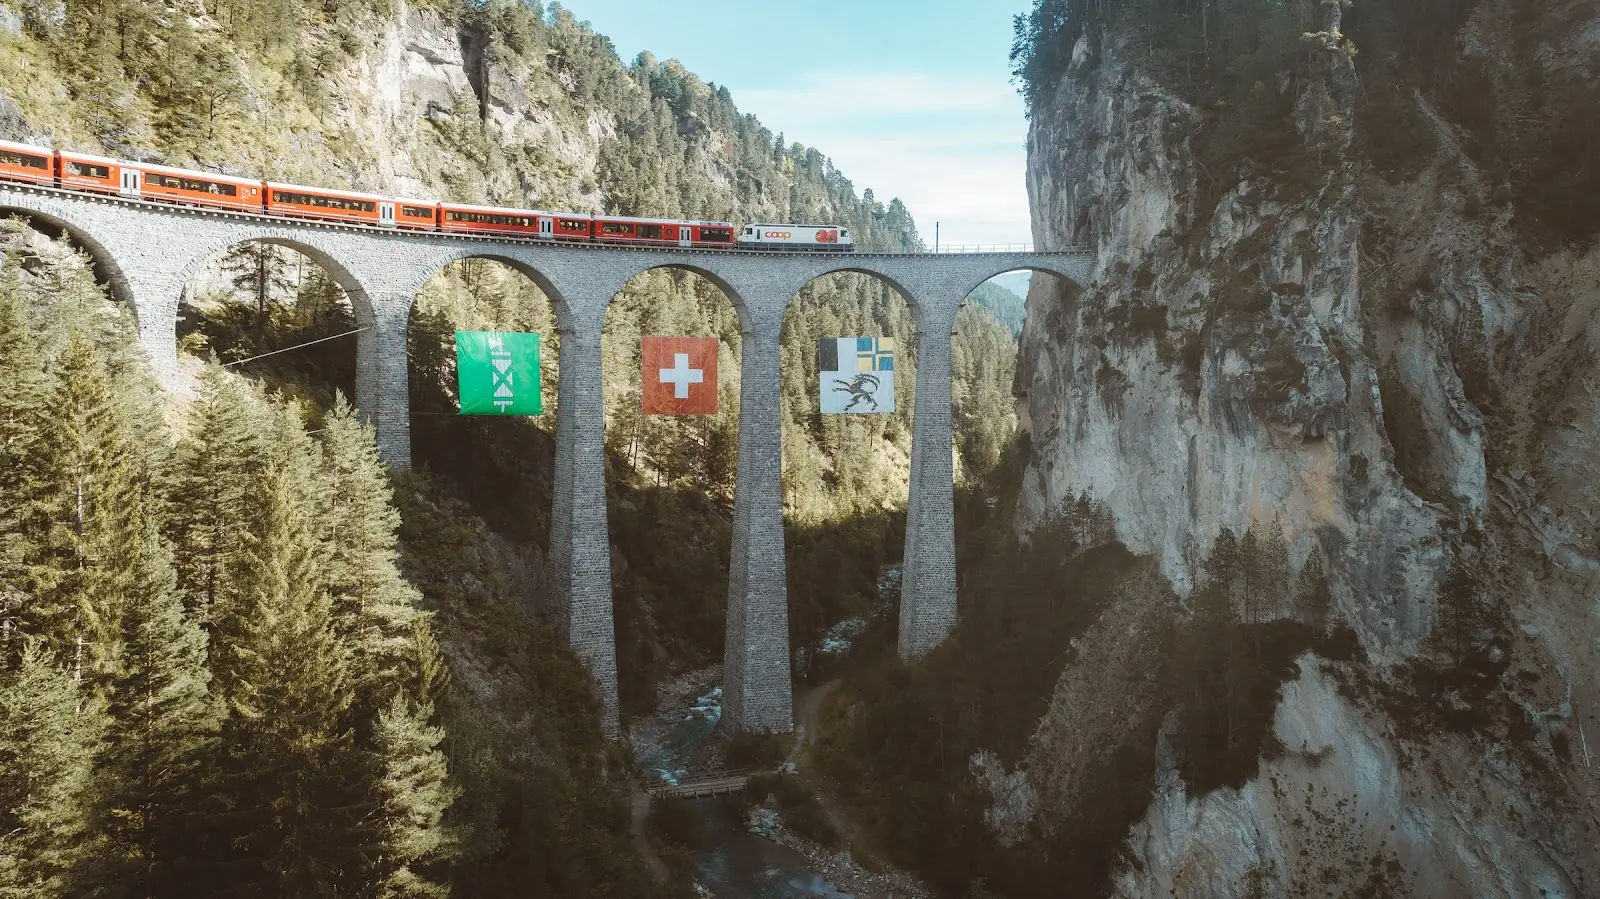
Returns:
(485,218)
(88,170)
(570,225)
(722,234)
(191,184)
(283,196)
(650,232)
(11,157)
(417,212)
(615,228)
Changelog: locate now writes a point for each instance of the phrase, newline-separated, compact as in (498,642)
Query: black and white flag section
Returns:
(857,374)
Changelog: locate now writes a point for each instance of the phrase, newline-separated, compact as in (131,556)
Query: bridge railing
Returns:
(1077,248)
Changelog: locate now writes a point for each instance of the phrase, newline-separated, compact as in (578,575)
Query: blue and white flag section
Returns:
(857,375)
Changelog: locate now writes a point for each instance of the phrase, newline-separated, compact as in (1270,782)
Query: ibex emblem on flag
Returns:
(861,387)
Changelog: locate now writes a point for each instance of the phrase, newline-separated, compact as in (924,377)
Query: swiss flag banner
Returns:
(680,375)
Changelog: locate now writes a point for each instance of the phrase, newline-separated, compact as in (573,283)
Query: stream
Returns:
(739,864)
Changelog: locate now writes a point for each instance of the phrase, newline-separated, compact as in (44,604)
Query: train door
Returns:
(132,183)
(386,215)
(685,236)
(547,228)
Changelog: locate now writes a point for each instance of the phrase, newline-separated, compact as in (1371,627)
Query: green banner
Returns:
(497,373)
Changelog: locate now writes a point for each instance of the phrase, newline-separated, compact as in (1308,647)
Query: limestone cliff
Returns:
(1378,341)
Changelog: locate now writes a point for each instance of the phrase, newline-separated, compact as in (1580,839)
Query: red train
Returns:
(144,181)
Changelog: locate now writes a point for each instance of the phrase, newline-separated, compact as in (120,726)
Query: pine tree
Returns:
(375,609)
(48,732)
(1461,615)
(24,399)
(1316,600)
(164,722)
(413,794)
(291,784)
(1272,572)
(97,480)
(432,678)
(258,270)
(213,505)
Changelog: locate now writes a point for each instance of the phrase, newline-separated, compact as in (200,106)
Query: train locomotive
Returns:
(68,170)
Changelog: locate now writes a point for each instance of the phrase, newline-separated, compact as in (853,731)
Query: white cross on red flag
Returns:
(680,375)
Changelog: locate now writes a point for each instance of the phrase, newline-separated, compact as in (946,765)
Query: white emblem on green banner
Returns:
(497,373)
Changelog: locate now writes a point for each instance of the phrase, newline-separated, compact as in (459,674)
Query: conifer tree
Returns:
(414,793)
(432,678)
(1462,615)
(291,783)
(1316,600)
(1250,599)
(23,402)
(213,507)
(164,722)
(374,607)
(48,732)
(95,483)
(259,271)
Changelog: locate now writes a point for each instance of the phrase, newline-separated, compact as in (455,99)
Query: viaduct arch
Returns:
(150,250)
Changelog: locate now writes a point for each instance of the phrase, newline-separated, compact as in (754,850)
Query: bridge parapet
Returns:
(1076,249)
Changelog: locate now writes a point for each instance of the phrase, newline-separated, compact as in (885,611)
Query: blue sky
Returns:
(911,98)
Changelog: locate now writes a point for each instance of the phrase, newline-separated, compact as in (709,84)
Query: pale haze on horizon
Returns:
(910,99)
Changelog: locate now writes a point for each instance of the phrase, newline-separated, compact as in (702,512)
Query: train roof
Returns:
(160,169)
(508,209)
(331,191)
(788,225)
(169,170)
(663,220)
(13,145)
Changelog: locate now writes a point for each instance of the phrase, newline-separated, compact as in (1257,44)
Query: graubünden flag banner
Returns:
(497,373)
(680,375)
(857,374)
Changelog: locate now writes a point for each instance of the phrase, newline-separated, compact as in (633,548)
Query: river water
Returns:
(738,864)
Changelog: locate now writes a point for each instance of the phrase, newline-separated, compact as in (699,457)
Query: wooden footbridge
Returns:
(714,785)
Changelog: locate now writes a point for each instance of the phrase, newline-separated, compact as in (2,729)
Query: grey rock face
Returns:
(1384,371)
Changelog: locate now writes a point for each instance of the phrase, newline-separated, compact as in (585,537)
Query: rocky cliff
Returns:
(1366,323)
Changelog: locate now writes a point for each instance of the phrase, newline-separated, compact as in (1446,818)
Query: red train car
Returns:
(298,201)
(158,182)
(97,174)
(135,180)
(662,232)
(23,162)
(528,223)
(416,215)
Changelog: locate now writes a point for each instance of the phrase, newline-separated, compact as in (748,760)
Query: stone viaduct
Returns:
(149,251)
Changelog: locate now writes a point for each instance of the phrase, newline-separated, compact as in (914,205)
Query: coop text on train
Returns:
(142,181)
